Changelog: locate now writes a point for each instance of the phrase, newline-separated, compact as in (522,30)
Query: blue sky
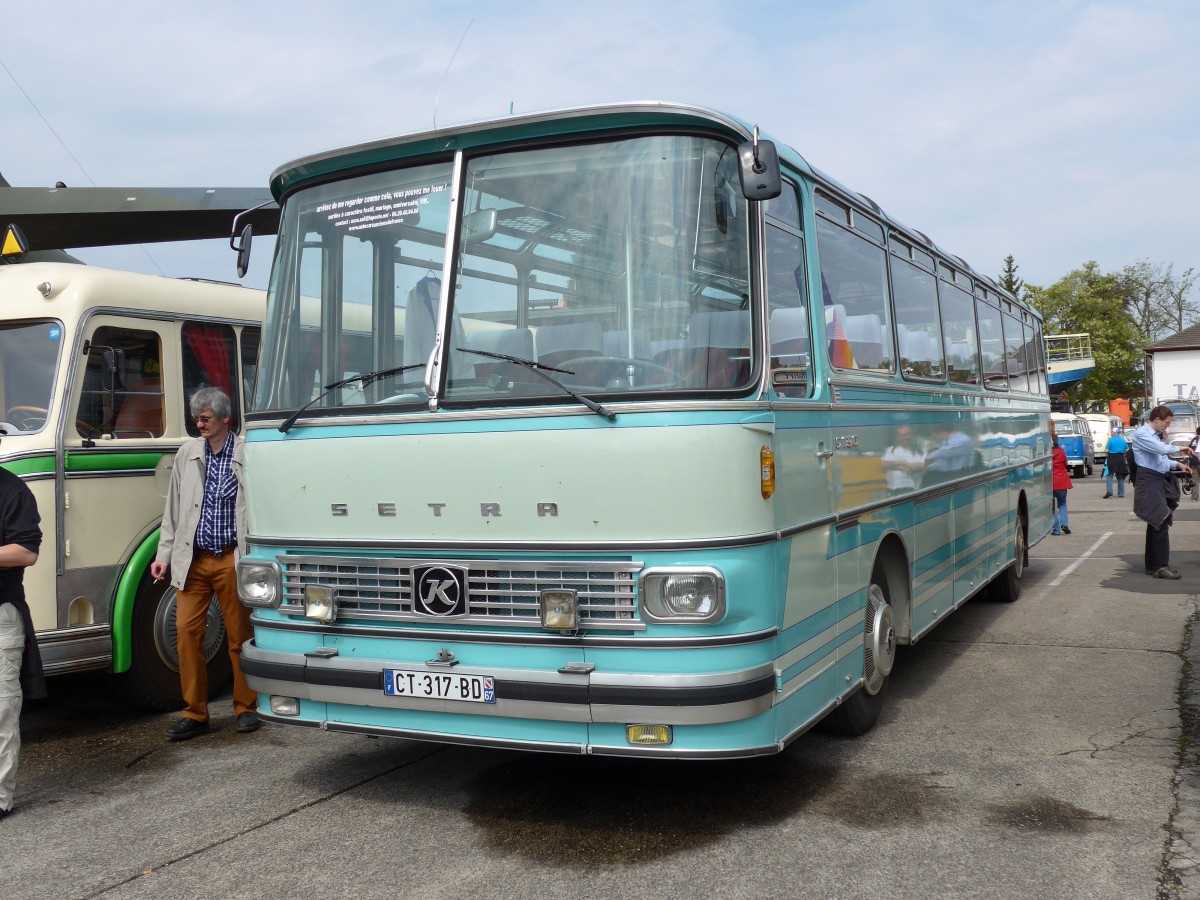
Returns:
(1057,130)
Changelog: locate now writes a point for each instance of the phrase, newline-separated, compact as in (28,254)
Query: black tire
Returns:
(1077,472)
(1006,588)
(861,710)
(152,681)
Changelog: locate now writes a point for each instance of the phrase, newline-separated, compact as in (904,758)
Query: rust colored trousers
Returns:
(210,574)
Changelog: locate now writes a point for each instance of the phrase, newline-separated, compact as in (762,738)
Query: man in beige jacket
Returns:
(203,534)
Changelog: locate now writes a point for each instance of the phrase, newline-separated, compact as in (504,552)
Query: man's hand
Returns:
(158,570)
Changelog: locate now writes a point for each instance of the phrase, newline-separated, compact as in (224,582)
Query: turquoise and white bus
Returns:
(657,443)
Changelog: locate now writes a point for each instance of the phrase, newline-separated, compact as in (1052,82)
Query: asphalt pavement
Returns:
(1046,748)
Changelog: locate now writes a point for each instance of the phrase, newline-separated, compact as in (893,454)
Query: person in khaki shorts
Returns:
(20,663)
(203,534)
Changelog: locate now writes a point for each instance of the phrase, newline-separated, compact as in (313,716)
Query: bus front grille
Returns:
(503,593)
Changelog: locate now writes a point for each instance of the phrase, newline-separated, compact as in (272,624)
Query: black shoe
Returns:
(1106,496)
(186,728)
(247,722)
(1066,530)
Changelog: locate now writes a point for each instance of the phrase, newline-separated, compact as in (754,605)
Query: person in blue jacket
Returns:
(1115,464)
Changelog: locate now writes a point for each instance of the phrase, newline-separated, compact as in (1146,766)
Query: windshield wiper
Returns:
(537,369)
(366,379)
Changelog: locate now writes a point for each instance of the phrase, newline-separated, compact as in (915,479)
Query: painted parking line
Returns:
(1075,565)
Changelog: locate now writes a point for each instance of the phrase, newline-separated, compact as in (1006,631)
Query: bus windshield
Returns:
(621,268)
(29,354)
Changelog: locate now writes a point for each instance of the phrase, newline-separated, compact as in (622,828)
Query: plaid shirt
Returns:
(218,523)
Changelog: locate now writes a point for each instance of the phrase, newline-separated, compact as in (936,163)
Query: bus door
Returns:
(117,451)
(802,446)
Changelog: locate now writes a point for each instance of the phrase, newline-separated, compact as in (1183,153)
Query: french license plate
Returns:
(439,685)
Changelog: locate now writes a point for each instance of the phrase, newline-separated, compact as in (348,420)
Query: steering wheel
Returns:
(621,365)
(27,418)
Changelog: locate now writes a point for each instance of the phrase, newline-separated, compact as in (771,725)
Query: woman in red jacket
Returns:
(1061,484)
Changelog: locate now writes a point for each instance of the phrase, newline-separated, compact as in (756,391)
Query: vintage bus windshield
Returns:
(29,353)
(622,265)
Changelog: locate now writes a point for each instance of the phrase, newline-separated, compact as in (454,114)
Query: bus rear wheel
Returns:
(860,711)
(1007,586)
(152,681)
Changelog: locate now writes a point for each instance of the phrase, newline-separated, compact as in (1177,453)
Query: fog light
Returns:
(648,734)
(318,603)
(285,706)
(558,610)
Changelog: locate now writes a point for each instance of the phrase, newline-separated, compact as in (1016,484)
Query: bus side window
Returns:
(209,360)
(788,320)
(250,340)
(136,408)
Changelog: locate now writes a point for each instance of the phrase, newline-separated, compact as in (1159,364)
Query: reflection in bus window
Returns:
(918,331)
(958,328)
(854,283)
(991,346)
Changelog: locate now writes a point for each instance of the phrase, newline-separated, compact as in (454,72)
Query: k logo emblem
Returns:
(439,591)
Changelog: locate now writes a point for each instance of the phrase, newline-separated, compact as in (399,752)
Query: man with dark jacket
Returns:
(20,662)
(1157,492)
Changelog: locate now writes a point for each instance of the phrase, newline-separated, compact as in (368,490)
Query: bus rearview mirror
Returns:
(759,169)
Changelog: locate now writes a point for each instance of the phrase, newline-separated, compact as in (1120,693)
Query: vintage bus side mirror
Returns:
(243,250)
(759,169)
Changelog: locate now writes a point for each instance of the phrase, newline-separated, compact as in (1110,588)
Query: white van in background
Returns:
(1102,426)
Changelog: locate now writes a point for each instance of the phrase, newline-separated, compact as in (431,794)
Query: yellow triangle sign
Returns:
(14,245)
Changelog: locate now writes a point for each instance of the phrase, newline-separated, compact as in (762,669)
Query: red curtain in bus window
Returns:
(210,345)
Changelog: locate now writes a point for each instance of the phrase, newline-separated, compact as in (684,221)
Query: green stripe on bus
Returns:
(107,462)
(35,466)
(127,588)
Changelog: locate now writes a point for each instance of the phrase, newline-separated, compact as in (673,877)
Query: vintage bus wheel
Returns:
(861,710)
(152,681)
(1007,587)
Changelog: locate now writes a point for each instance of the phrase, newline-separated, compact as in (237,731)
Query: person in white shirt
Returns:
(901,461)
(1156,493)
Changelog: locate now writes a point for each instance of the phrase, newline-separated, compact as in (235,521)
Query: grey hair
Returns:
(211,398)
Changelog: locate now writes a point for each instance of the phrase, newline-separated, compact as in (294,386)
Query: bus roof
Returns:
(68,291)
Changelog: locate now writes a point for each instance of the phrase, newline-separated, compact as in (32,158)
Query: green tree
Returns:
(1008,277)
(1088,301)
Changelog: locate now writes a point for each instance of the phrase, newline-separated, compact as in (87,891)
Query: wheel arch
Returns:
(127,589)
(893,557)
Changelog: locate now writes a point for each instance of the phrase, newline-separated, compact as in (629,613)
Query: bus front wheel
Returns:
(861,709)
(152,681)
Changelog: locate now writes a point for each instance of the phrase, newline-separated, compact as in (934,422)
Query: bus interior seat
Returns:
(720,346)
(616,343)
(789,335)
(420,328)
(557,344)
(141,411)
(865,334)
(516,342)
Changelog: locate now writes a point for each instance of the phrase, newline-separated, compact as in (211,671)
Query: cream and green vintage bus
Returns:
(95,370)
